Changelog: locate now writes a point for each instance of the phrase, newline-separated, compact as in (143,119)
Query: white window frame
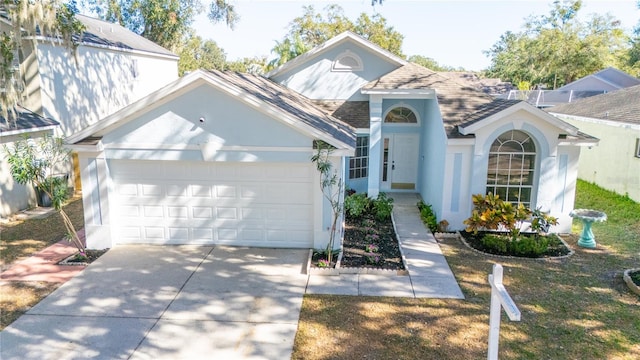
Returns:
(361,158)
(397,106)
(511,170)
(339,67)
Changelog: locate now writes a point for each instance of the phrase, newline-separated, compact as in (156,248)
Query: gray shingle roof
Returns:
(354,113)
(26,120)
(290,102)
(621,105)
(460,104)
(99,32)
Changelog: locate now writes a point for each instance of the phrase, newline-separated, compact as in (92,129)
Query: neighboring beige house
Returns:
(113,68)
(614,118)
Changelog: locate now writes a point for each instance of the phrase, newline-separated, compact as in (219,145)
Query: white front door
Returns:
(400,161)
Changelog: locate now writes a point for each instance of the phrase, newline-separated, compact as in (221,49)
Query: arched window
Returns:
(511,169)
(347,61)
(401,115)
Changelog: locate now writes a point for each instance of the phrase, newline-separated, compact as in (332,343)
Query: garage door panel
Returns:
(205,203)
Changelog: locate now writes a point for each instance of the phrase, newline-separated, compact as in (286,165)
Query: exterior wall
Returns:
(612,164)
(230,131)
(549,194)
(13,196)
(455,206)
(315,79)
(431,179)
(78,92)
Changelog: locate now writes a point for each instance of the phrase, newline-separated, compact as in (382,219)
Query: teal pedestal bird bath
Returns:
(588,217)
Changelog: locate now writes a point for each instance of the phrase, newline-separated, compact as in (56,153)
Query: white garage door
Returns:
(175,202)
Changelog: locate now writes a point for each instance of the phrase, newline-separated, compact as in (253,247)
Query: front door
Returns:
(400,162)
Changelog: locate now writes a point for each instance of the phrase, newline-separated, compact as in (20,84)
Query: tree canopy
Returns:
(165,22)
(557,48)
(27,17)
(197,53)
(314,28)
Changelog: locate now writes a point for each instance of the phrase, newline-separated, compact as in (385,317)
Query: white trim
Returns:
(461,141)
(563,125)
(400,105)
(217,146)
(347,35)
(56,41)
(402,93)
(27,131)
(598,121)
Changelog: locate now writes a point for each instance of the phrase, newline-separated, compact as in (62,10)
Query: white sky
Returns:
(453,32)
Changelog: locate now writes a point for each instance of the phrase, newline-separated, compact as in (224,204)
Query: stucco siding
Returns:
(97,83)
(227,122)
(315,79)
(14,196)
(611,164)
(432,158)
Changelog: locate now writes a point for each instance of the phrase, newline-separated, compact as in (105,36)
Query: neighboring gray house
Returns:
(614,118)
(224,158)
(15,196)
(609,79)
(113,68)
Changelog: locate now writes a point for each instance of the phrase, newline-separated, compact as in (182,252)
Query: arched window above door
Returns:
(401,115)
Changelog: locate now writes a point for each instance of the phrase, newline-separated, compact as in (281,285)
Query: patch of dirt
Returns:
(90,256)
(556,247)
(367,231)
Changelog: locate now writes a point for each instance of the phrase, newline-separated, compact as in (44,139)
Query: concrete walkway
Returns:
(429,272)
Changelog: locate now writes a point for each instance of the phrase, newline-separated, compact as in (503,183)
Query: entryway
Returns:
(400,161)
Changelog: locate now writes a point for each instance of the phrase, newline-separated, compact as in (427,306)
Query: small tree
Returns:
(33,163)
(332,188)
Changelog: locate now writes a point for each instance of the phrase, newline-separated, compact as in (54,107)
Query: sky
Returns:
(454,32)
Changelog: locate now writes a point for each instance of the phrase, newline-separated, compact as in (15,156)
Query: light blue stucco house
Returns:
(220,157)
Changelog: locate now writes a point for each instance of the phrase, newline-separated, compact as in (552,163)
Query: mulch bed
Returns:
(91,256)
(367,230)
(556,247)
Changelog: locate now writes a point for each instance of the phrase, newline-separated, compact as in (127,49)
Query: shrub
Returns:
(530,246)
(428,216)
(495,243)
(524,246)
(383,206)
(357,205)
(492,213)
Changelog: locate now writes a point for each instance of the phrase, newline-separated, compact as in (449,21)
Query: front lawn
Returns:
(21,239)
(575,308)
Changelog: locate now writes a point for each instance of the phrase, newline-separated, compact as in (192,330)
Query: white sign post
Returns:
(499,299)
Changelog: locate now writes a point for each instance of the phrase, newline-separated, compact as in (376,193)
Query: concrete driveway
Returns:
(169,302)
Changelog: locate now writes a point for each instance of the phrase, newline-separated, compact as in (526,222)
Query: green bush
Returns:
(383,206)
(428,216)
(524,246)
(356,205)
(496,243)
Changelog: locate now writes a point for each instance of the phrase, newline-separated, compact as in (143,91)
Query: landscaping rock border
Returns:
(630,284)
(338,270)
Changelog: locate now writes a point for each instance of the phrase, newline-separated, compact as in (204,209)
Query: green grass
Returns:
(576,308)
(621,231)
